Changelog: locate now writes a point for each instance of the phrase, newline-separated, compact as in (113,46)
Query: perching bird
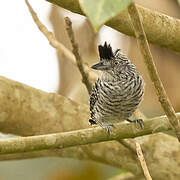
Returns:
(118,91)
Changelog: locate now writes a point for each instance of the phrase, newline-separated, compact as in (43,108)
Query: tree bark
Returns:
(27,111)
(160,29)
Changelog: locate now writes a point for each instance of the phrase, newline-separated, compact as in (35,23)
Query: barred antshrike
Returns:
(118,91)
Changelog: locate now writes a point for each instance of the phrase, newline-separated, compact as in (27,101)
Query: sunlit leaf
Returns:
(100,11)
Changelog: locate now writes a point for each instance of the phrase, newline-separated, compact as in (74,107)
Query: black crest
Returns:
(105,52)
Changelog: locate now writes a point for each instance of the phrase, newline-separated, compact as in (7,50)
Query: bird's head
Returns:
(110,62)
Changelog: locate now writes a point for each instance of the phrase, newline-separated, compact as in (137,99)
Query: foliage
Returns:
(101,11)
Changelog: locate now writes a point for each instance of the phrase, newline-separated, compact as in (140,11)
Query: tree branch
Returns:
(24,111)
(27,111)
(148,59)
(154,23)
(128,145)
(142,161)
(16,99)
(56,44)
(85,77)
(76,138)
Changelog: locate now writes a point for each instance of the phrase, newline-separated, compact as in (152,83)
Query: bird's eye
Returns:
(116,62)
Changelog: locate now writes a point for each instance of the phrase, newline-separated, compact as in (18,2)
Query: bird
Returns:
(118,91)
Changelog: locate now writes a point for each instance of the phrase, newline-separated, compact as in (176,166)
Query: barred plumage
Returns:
(118,91)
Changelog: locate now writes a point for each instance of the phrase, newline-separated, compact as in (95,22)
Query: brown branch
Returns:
(157,26)
(20,99)
(75,51)
(142,161)
(56,44)
(24,111)
(27,111)
(72,138)
(148,59)
(128,145)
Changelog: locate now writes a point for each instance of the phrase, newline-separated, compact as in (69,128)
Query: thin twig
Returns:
(56,44)
(148,59)
(142,161)
(128,145)
(75,51)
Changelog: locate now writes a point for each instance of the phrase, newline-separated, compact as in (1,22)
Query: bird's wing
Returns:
(94,97)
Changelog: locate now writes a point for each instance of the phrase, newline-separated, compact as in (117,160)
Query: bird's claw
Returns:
(107,126)
(137,121)
(140,122)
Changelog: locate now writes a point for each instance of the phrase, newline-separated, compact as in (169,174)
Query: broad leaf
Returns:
(100,11)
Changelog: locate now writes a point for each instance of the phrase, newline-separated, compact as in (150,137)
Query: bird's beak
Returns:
(100,66)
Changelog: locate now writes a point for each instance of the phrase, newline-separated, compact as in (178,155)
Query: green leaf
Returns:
(178,2)
(100,11)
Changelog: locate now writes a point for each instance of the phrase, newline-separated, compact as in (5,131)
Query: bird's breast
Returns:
(120,99)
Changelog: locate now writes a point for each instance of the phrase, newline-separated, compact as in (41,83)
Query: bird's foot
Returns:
(92,122)
(137,121)
(107,126)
